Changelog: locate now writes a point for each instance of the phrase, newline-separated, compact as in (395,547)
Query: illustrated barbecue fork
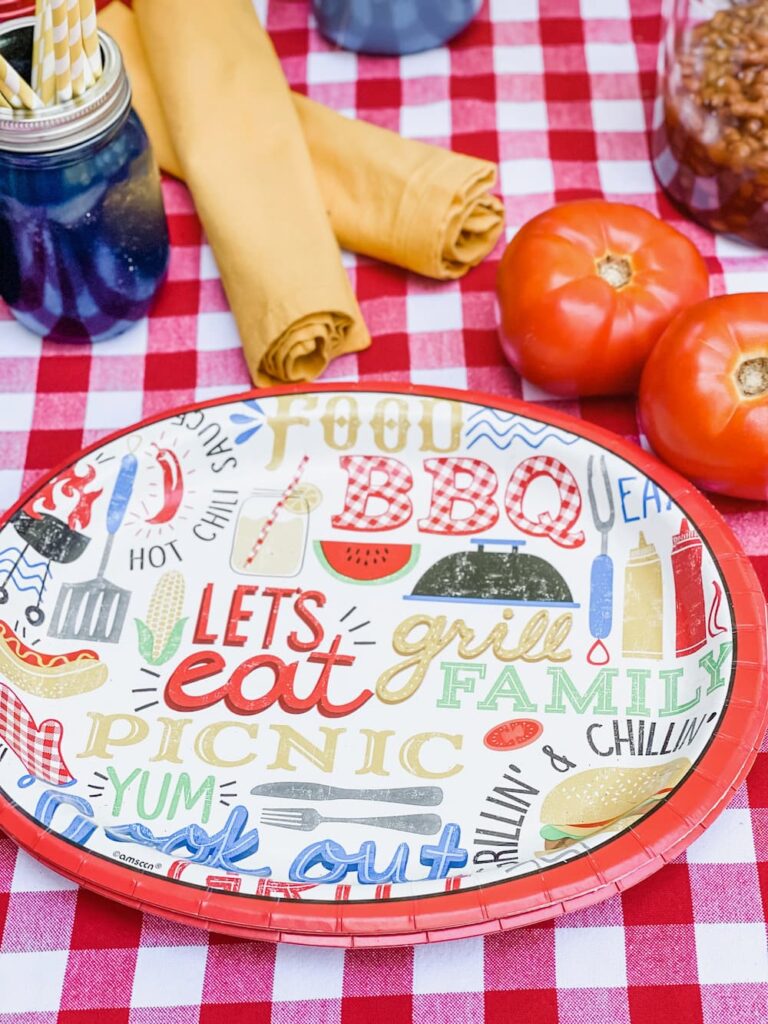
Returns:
(601,576)
(96,609)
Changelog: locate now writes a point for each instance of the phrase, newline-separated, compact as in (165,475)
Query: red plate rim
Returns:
(586,879)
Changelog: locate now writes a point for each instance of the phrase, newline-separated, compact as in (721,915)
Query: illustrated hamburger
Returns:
(605,800)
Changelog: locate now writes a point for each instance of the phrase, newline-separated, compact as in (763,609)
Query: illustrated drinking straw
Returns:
(76,55)
(269,522)
(18,93)
(61,50)
(90,36)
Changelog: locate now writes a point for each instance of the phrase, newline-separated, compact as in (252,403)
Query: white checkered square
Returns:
(530,176)
(618,115)
(613,9)
(132,343)
(590,957)
(730,954)
(442,377)
(335,66)
(427,64)
(626,177)
(514,10)
(426,120)
(10,486)
(17,341)
(514,117)
(518,60)
(16,410)
(755,280)
(208,269)
(31,982)
(728,840)
(30,876)
(169,976)
(448,967)
(611,58)
(434,311)
(302,973)
(216,332)
(109,410)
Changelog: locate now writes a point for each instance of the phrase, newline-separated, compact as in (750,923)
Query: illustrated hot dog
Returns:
(48,675)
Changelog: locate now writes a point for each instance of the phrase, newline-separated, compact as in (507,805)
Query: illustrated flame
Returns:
(70,484)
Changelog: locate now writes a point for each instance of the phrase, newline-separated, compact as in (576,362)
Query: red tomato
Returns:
(704,395)
(585,291)
(518,732)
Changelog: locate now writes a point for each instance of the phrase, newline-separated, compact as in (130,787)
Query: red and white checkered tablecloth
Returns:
(560,93)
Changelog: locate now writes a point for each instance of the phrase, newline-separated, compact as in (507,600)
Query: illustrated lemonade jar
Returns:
(271,532)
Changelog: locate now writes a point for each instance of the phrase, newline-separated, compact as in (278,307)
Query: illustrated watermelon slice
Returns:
(366,563)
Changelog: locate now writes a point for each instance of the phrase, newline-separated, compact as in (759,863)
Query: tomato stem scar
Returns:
(615,270)
(752,377)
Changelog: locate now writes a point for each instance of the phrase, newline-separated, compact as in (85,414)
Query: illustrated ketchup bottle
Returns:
(690,614)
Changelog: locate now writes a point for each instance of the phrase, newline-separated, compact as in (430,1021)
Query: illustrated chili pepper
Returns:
(173,486)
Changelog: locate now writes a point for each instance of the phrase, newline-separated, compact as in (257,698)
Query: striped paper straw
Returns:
(90,36)
(18,93)
(44,68)
(76,55)
(269,522)
(37,41)
(61,50)
(4,104)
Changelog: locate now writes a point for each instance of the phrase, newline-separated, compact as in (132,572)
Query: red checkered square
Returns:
(99,924)
(662,1004)
(55,374)
(236,1013)
(47,448)
(533,1005)
(162,368)
(665,899)
(378,92)
(381,1010)
(177,298)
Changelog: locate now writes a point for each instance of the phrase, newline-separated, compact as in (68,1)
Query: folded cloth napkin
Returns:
(242,152)
(418,206)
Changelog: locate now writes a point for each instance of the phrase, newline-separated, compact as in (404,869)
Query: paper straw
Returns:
(15,89)
(44,69)
(76,55)
(37,44)
(4,104)
(61,50)
(90,36)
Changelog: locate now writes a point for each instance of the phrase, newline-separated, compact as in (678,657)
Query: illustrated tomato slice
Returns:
(511,735)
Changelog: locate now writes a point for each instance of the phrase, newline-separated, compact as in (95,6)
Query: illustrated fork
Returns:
(305,819)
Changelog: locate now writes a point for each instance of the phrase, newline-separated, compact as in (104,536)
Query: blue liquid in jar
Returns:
(83,235)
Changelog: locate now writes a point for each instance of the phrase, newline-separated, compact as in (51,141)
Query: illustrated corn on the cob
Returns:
(160,635)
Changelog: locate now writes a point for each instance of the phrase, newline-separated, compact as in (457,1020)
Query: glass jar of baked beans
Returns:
(710,138)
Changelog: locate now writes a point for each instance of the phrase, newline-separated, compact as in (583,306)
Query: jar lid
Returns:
(71,123)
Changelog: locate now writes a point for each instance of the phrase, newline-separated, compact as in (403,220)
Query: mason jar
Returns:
(83,236)
(710,136)
(270,537)
(392,26)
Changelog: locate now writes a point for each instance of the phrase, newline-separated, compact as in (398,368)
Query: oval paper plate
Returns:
(354,665)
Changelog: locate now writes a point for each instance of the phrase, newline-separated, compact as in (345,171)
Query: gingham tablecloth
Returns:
(560,93)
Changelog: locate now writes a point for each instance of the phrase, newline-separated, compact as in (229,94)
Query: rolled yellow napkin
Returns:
(421,207)
(242,152)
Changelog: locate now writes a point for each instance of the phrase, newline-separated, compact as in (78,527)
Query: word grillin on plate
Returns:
(353,666)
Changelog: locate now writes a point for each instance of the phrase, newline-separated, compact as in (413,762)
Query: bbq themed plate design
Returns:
(362,665)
